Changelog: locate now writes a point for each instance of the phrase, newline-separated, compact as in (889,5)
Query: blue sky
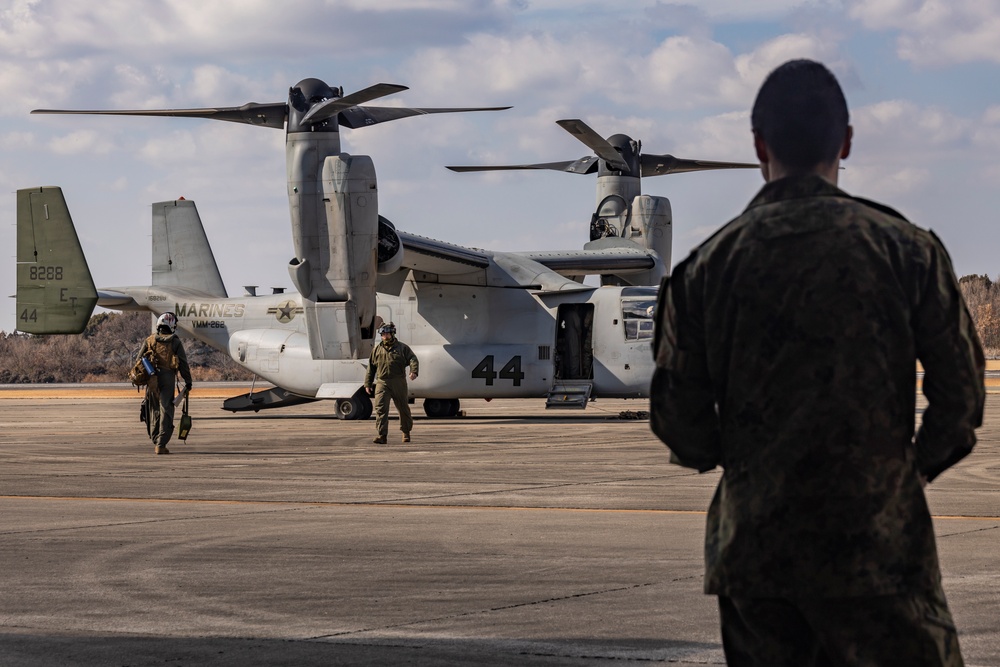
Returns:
(920,77)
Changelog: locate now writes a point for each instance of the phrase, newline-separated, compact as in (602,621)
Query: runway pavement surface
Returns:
(513,535)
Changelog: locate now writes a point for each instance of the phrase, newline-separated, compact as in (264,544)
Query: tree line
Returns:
(982,295)
(104,352)
(107,348)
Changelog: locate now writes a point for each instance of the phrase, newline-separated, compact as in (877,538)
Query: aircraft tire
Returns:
(350,408)
(441,408)
(436,408)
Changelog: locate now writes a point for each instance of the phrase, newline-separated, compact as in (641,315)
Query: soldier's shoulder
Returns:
(879,207)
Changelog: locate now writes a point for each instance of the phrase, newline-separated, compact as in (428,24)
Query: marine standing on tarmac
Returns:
(386,377)
(786,353)
(168,358)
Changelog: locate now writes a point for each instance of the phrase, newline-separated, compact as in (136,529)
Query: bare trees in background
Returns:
(103,353)
(982,295)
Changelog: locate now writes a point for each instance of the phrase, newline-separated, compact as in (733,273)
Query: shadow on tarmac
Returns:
(31,650)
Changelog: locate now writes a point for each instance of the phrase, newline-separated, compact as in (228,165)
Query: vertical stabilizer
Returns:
(182,256)
(55,292)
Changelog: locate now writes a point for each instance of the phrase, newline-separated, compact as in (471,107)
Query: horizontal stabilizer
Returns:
(55,291)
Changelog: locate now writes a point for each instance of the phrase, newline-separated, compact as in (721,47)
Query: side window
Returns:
(638,318)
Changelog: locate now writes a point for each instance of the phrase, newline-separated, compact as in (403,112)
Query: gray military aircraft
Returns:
(484,324)
(623,215)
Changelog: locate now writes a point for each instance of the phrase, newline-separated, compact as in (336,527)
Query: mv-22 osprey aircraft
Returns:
(484,324)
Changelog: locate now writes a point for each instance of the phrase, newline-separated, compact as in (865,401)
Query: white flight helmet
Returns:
(168,320)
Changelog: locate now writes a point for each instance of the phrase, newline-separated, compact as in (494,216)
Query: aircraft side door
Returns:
(574,344)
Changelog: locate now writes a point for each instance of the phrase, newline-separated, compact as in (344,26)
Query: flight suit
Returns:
(387,370)
(786,353)
(169,358)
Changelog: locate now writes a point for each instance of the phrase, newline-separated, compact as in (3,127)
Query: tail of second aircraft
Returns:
(182,256)
(55,292)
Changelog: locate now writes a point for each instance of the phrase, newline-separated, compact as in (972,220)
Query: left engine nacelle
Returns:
(390,248)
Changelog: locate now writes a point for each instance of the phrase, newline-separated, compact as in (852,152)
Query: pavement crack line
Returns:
(477,612)
(968,532)
(539,487)
(115,524)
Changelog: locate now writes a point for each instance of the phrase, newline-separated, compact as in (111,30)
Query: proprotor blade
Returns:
(356,117)
(584,165)
(329,108)
(657,165)
(594,142)
(266,115)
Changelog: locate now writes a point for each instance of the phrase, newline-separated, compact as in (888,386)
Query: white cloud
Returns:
(905,130)
(81,142)
(936,32)
(17,141)
(882,183)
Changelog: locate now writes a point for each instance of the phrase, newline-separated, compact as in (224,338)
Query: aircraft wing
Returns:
(500,269)
(432,256)
(616,260)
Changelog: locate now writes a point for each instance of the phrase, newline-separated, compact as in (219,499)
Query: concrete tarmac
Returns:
(510,535)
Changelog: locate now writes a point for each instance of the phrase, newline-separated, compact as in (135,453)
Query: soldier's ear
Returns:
(760,148)
(845,150)
(763,155)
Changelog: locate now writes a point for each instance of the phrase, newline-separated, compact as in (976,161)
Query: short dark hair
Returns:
(801,114)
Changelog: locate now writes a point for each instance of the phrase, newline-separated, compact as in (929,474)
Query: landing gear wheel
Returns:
(358,406)
(439,408)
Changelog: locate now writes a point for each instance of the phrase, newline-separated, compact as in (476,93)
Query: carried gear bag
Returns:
(185,425)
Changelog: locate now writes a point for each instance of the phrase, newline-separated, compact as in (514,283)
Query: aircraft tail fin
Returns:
(182,256)
(55,291)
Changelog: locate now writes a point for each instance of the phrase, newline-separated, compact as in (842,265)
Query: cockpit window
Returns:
(637,316)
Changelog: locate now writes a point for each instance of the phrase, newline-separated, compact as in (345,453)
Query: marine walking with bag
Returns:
(161,358)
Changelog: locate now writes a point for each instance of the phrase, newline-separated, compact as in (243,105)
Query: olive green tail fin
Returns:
(55,292)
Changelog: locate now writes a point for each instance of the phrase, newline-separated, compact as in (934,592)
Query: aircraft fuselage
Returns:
(472,341)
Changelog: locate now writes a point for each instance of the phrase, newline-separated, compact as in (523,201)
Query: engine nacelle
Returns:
(390,248)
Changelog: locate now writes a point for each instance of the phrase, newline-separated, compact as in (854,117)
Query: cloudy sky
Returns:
(920,77)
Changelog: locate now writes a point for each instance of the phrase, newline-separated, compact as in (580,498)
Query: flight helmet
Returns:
(387,328)
(166,321)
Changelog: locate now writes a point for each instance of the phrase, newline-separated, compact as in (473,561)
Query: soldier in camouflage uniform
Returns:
(386,378)
(786,353)
(166,351)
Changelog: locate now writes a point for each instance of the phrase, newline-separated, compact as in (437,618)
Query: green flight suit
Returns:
(169,359)
(388,365)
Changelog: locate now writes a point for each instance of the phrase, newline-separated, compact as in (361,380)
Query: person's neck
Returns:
(829,172)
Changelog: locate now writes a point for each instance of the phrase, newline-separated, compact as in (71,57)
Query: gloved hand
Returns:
(370,391)
(187,389)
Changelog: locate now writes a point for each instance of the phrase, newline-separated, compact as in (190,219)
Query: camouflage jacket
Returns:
(786,352)
(168,351)
(389,362)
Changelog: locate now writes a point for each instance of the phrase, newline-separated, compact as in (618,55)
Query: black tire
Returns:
(358,406)
(437,408)
(441,408)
